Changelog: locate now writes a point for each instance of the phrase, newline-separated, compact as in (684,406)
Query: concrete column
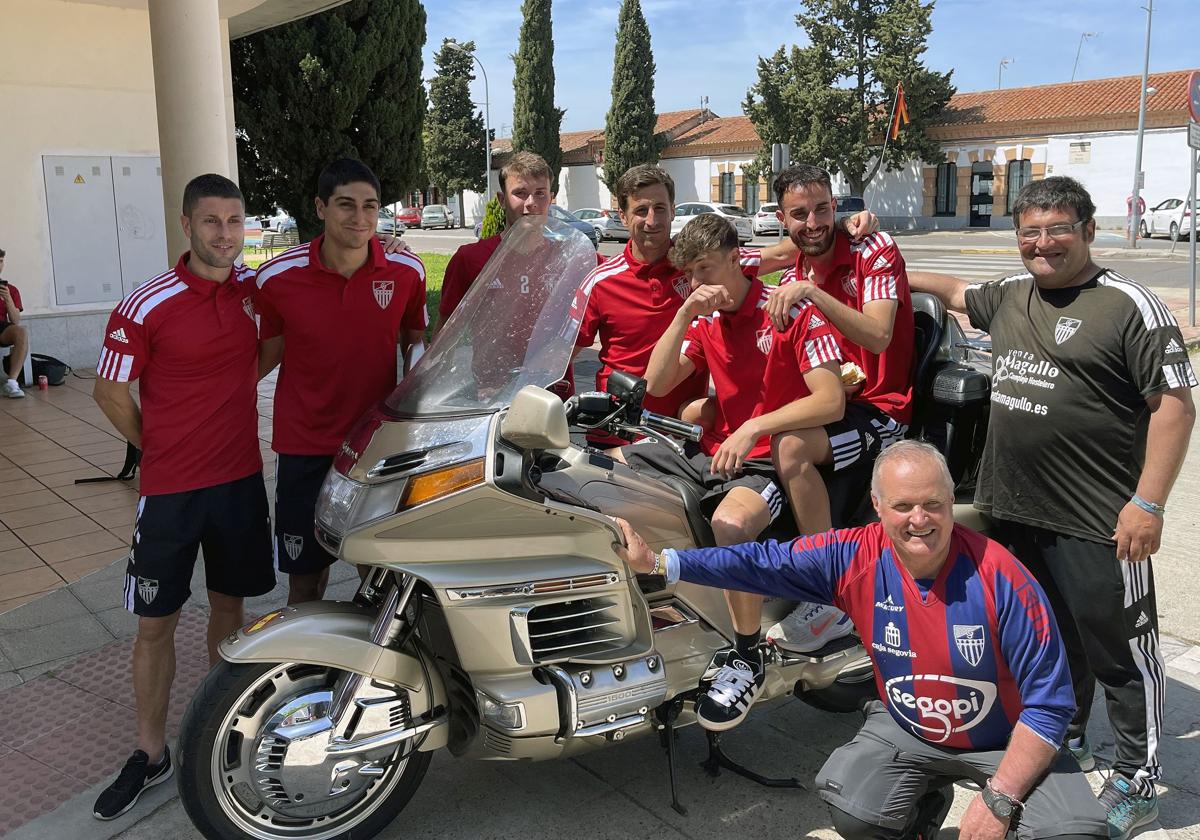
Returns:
(227,83)
(188,49)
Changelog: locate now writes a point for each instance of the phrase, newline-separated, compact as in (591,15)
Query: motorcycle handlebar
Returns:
(670,425)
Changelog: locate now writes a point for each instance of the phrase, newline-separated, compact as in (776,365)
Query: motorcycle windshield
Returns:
(516,326)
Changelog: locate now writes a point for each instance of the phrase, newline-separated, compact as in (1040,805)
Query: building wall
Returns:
(581,186)
(1108,175)
(691,177)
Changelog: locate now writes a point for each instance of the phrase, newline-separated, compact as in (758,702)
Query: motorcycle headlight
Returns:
(344,504)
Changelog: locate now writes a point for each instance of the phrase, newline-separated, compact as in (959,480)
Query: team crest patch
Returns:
(248,308)
(764,338)
(970,640)
(147,589)
(683,287)
(1065,328)
(383,290)
(850,284)
(293,545)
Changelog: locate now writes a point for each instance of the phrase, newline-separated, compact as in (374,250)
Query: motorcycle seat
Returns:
(697,521)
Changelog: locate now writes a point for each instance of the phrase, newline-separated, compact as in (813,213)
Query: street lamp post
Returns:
(1004,62)
(1135,217)
(487,126)
(1083,37)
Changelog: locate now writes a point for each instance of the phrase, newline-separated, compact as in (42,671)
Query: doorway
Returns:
(981,194)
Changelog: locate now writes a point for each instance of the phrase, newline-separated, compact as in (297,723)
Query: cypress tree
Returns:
(454,148)
(345,82)
(629,127)
(536,122)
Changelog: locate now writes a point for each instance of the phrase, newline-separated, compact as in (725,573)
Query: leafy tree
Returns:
(454,146)
(342,83)
(493,219)
(832,100)
(536,122)
(629,127)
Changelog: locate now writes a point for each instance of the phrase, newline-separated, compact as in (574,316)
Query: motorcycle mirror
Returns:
(536,420)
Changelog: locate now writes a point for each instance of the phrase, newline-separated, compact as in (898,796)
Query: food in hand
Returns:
(852,374)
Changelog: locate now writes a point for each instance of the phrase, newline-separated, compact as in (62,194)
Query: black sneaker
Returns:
(135,777)
(734,688)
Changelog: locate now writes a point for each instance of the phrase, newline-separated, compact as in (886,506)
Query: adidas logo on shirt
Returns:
(495,284)
(1142,621)
(119,335)
(1173,347)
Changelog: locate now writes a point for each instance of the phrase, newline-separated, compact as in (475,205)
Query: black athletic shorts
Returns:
(298,480)
(758,474)
(230,522)
(3,326)
(863,432)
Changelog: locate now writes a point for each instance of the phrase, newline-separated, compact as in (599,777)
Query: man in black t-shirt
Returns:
(1090,420)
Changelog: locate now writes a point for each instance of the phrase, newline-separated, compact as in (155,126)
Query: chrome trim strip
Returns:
(384,739)
(534,587)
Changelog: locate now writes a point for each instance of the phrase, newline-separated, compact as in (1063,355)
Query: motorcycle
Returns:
(496,620)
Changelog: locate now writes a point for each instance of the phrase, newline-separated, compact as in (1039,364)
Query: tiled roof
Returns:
(722,131)
(673,119)
(1113,97)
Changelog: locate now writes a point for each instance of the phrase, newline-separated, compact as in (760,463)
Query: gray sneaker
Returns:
(12,390)
(1127,810)
(1081,751)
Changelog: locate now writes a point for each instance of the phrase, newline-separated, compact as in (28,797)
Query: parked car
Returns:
(1170,218)
(765,221)
(607,223)
(273,222)
(437,216)
(848,205)
(574,221)
(388,223)
(684,213)
(409,216)
(285,224)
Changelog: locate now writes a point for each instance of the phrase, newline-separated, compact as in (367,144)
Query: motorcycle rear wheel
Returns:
(230,754)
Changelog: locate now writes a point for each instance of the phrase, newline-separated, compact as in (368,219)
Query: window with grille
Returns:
(946,189)
(1020,173)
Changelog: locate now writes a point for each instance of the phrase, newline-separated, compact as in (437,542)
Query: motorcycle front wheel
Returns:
(253,764)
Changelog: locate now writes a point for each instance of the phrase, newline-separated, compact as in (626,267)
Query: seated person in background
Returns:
(861,288)
(12,334)
(767,381)
(970,666)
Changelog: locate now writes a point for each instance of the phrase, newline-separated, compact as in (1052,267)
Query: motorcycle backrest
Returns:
(536,420)
(929,322)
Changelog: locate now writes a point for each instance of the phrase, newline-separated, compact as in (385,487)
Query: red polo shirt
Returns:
(464,267)
(16,299)
(874,269)
(755,368)
(193,344)
(629,306)
(339,339)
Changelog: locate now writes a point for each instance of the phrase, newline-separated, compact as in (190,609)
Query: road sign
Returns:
(1194,134)
(1194,94)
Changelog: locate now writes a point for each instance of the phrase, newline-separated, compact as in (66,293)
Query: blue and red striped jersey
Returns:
(958,663)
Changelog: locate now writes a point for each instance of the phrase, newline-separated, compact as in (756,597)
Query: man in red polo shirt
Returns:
(862,288)
(766,382)
(524,191)
(333,311)
(190,338)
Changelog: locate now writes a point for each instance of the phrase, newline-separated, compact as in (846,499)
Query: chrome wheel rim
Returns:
(270,773)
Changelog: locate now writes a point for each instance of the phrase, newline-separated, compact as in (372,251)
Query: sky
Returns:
(710,47)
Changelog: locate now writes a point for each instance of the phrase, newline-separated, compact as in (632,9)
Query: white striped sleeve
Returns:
(1179,375)
(114,366)
(821,349)
(880,287)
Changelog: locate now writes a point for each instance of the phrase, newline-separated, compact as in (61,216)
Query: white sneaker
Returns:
(810,627)
(12,390)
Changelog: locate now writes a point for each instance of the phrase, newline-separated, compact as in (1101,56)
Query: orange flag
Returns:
(901,111)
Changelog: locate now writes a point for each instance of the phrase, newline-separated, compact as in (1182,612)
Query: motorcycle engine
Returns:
(602,699)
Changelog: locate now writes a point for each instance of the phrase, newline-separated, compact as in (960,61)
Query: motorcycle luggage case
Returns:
(961,386)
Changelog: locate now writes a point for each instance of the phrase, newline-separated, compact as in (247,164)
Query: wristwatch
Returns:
(1003,806)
